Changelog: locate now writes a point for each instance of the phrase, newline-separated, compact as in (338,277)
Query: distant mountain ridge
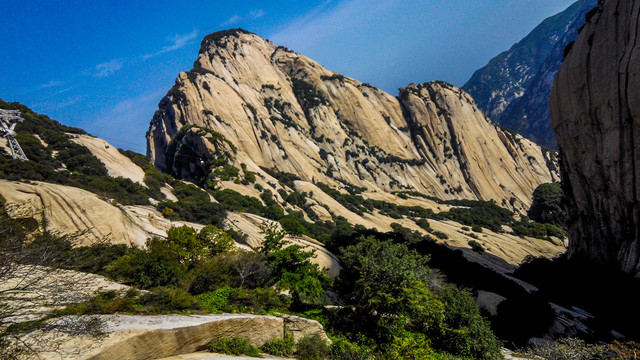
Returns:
(513,88)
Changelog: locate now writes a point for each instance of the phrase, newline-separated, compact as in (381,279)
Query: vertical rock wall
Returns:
(595,112)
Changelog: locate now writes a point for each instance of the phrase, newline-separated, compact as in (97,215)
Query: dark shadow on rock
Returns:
(611,296)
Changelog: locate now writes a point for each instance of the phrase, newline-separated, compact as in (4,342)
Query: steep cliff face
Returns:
(595,111)
(266,106)
(514,88)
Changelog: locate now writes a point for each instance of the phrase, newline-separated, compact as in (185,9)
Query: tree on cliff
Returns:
(546,206)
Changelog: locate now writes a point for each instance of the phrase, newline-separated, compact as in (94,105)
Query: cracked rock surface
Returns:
(595,111)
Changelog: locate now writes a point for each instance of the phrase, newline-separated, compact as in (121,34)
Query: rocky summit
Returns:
(595,111)
(249,102)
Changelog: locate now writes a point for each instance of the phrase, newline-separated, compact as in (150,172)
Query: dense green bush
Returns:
(278,346)
(537,230)
(234,201)
(394,292)
(168,299)
(424,223)
(234,346)
(228,299)
(343,349)
(193,205)
(476,246)
(414,346)
(292,269)
(546,206)
(156,266)
(308,96)
(486,214)
(284,178)
(216,301)
(106,302)
(464,332)
(312,347)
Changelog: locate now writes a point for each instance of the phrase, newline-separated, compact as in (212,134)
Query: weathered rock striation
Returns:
(154,337)
(266,106)
(595,111)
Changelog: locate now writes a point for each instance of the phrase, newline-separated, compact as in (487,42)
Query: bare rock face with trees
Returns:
(595,108)
(283,110)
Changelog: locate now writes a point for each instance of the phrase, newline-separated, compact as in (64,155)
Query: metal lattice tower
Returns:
(8,121)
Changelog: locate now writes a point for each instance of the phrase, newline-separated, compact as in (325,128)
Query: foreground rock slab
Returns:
(138,337)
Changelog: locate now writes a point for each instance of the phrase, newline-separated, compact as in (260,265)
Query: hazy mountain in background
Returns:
(514,88)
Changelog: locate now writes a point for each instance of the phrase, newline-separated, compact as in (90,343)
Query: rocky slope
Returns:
(595,111)
(247,101)
(514,88)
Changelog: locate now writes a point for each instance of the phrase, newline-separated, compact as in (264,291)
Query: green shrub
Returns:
(308,96)
(440,235)
(537,230)
(156,266)
(95,258)
(260,300)
(195,205)
(342,349)
(106,302)
(546,206)
(233,346)
(154,178)
(464,332)
(476,246)
(216,301)
(279,346)
(424,223)
(168,299)
(486,214)
(416,346)
(312,347)
(234,201)
(228,299)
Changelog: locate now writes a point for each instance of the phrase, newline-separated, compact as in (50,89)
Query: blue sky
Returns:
(104,65)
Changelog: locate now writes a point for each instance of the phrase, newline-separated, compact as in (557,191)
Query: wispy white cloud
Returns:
(232,20)
(256,14)
(253,15)
(177,42)
(108,68)
(64,90)
(52,83)
(56,104)
(132,114)
(331,18)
